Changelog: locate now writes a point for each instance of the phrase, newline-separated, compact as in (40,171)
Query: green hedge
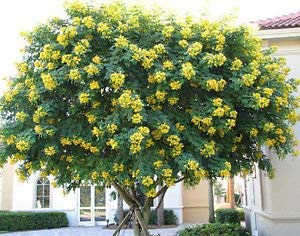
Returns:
(241,214)
(17,221)
(227,216)
(215,229)
(169,217)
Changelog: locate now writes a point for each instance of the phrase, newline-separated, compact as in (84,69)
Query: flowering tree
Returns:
(129,98)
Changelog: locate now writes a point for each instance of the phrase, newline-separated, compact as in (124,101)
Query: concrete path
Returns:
(91,231)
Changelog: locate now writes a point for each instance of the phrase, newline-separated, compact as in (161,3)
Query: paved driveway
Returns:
(90,231)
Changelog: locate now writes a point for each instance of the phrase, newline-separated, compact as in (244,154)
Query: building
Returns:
(92,205)
(272,205)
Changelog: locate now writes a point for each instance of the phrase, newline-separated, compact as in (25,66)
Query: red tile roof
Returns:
(280,22)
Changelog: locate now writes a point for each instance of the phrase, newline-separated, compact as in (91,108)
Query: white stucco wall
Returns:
(274,203)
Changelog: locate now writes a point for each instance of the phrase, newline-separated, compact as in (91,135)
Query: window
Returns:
(42,193)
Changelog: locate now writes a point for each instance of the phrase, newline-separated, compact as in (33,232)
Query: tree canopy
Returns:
(122,95)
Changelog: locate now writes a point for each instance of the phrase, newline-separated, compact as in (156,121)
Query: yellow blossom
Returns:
(21,116)
(164,128)
(112,128)
(167,31)
(113,144)
(48,81)
(84,98)
(167,173)
(91,69)
(74,74)
(94,85)
(195,49)
(168,65)
(173,101)
(117,79)
(147,181)
(97,60)
(97,131)
(236,64)
(158,164)
(104,29)
(188,70)
(151,193)
(180,127)
(50,151)
(65,141)
(136,118)
(160,95)
(121,42)
(88,21)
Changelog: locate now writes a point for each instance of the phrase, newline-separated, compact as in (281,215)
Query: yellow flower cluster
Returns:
(50,151)
(118,167)
(175,85)
(180,127)
(215,59)
(48,81)
(38,114)
(121,42)
(236,64)
(159,48)
(84,98)
(177,146)
(21,116)
(151,193)
(38,129)
(213,84)
(81,47)
(112,128)
(88,21)
(97,60)
(167,31)
(147,181)
(90,117)
(158,77)
(168,65)
(70,60)
(173,101)
(188,70)
(268,126)
(74,74)
(91,69)
(192,165)
(209,149)
(195,49)
(248,79)
(270,142)
(97,131)
(136,118)
(48,53)
(66,34)
(186,32)
(22,145)
(157,164)
(104,29)
(268,92)
(117,79)
(94,85)
(261,102)
(160,95)
(65,141)
(136,139)
(112,143)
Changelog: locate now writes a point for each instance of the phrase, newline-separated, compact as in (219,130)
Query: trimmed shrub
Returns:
(215,229)
(227,216)
(241,214)
(169,217)
(17,221)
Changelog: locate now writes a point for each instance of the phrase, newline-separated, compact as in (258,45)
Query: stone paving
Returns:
(91,231)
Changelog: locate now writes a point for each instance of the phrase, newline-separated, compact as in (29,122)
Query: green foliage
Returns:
(241,213)
(17,221)
(121,95)
(227,216)
(219,191)
(169,217)
(215,229)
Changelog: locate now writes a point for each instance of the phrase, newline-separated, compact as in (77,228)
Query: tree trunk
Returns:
(120,210)
(160,210)
(211,206)
(231,192)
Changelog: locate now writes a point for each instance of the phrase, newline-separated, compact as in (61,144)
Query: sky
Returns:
(22,15)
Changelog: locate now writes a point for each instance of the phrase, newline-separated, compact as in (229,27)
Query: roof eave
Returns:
(279,33)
